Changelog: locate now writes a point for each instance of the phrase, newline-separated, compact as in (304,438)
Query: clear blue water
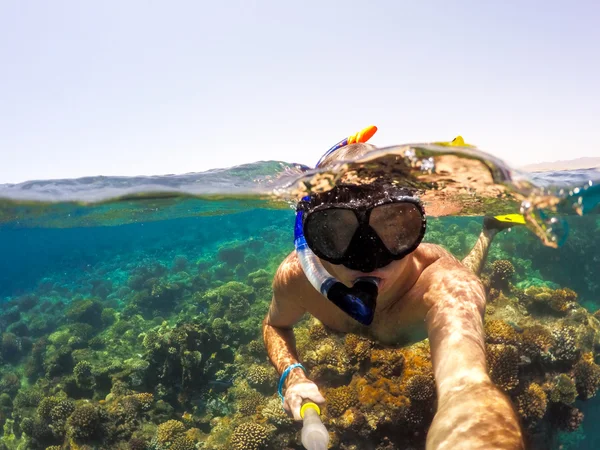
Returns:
(150,251)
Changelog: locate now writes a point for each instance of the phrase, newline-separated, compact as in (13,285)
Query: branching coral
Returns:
(537,341)
(85,311)
(230,301)
(249,436)
(256,347)
(183,443)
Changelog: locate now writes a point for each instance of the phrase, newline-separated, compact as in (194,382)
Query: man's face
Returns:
(364,229)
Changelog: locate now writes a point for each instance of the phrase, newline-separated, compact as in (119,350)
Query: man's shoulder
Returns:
(429,253)
(289,275)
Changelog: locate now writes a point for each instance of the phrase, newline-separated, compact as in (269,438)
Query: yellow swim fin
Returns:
(458,141)
(511,218)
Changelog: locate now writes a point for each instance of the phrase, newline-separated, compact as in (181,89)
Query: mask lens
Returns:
(398,225)
(329,231)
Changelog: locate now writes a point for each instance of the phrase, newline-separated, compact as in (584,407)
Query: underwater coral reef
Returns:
(150,338)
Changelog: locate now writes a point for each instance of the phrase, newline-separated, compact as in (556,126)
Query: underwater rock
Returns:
(11,347)
(230,301)
(10,383)
(87,311)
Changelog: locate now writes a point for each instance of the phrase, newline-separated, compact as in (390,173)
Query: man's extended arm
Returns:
(472,412)
(279,339)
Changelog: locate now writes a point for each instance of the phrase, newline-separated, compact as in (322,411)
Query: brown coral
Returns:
(500,332)
(559,300)
(502,273)
(249,436)
(532,404)
(259,376)
(565,417)
(84,423)
(537,341)
(420,388)
(587,377)
(248,400)
(357,347)
(168,431)
(503,363)
(390,362)
(563,390)
(183,443)
(340,399)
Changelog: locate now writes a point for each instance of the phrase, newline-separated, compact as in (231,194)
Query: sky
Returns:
(150,87)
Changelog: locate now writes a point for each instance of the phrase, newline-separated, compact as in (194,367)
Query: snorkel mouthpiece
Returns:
(359,301)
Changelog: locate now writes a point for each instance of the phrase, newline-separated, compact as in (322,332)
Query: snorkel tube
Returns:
(358,301)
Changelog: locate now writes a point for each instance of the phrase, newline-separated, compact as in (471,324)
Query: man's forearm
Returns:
(478,417)
(281,349)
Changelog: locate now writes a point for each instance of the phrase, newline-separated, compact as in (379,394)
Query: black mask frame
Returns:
(366,251)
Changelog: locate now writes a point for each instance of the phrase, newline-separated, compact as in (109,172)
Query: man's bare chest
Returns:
(395,325)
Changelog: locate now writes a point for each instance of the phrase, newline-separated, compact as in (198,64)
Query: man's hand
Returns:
(299,391)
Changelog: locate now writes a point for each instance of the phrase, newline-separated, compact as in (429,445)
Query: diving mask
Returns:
(363,227)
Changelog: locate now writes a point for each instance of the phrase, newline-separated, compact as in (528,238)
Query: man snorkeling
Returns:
(360,267)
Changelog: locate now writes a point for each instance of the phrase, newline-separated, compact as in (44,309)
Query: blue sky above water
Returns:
(148,87)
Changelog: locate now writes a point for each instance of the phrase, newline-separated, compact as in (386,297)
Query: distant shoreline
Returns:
(571,164)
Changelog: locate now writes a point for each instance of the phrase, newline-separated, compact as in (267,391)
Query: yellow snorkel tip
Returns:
(363,135)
